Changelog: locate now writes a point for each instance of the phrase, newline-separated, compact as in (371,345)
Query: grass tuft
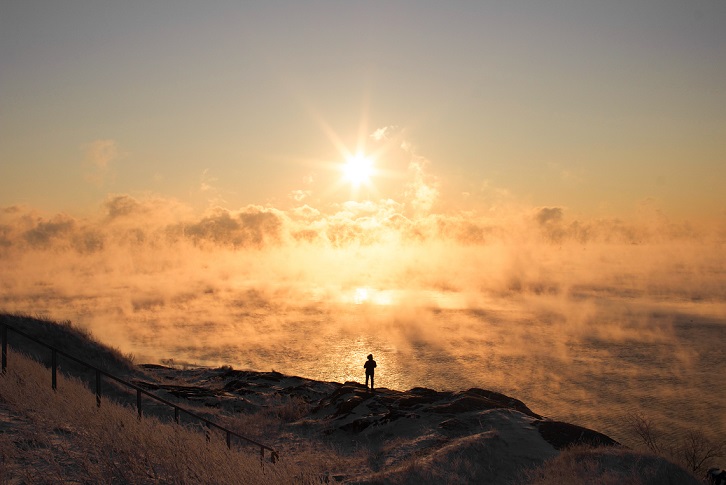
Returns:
(61,436)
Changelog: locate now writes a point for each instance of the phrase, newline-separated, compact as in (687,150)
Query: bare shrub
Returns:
(695,451)
(646,432)
(698,452)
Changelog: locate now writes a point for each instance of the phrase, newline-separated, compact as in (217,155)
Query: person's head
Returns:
(370,356)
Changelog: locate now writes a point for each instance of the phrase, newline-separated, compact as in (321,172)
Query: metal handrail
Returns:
(274,456)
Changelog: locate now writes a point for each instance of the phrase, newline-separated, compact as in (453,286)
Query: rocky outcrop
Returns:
(563,435)
(497,434)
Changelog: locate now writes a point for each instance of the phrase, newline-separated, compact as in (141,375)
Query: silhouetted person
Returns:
(370,367)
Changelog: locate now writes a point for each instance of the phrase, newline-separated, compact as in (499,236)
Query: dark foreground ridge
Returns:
(500,434)
(422,435)
(352,409)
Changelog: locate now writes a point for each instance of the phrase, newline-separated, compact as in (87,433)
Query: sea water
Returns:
(622,360)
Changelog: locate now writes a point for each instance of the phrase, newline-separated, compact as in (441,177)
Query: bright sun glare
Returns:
(358,169)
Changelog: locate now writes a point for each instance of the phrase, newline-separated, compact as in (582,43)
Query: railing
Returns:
(4,327)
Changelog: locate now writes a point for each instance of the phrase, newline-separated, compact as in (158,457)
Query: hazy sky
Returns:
(547,174)
(595,107)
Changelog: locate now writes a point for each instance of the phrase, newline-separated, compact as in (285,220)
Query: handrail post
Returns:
(98,388)
(138,401)
(5,346)
(139,391)
(54,368)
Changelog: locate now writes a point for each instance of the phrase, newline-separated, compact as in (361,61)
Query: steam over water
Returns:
(584,321)
(672,378)
(666,366)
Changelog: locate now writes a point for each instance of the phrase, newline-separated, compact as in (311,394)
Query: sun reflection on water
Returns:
(361,295)
(367,295)
(343,359)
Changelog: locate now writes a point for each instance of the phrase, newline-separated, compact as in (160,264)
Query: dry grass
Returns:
(71,339)
(53,437)
(70,419)
(608,466)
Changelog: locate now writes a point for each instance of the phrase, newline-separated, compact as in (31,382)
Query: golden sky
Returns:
(596,108)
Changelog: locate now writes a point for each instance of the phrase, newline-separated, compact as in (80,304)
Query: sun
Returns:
(358,169)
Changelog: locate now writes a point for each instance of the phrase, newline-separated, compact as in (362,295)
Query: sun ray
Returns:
(357,165)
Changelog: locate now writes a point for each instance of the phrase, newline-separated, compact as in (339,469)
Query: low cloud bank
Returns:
(154,245)
(124,219)
(144,269)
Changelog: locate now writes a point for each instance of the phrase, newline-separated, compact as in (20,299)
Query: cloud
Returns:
(422,192)
(384,132)
(564,174)
(122,206)
(299,195)
(252,226)
(99,156)
(101,153)
(209,189)
(205,184)
(412,219)
(45,232)
(305,212)
(549,215)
